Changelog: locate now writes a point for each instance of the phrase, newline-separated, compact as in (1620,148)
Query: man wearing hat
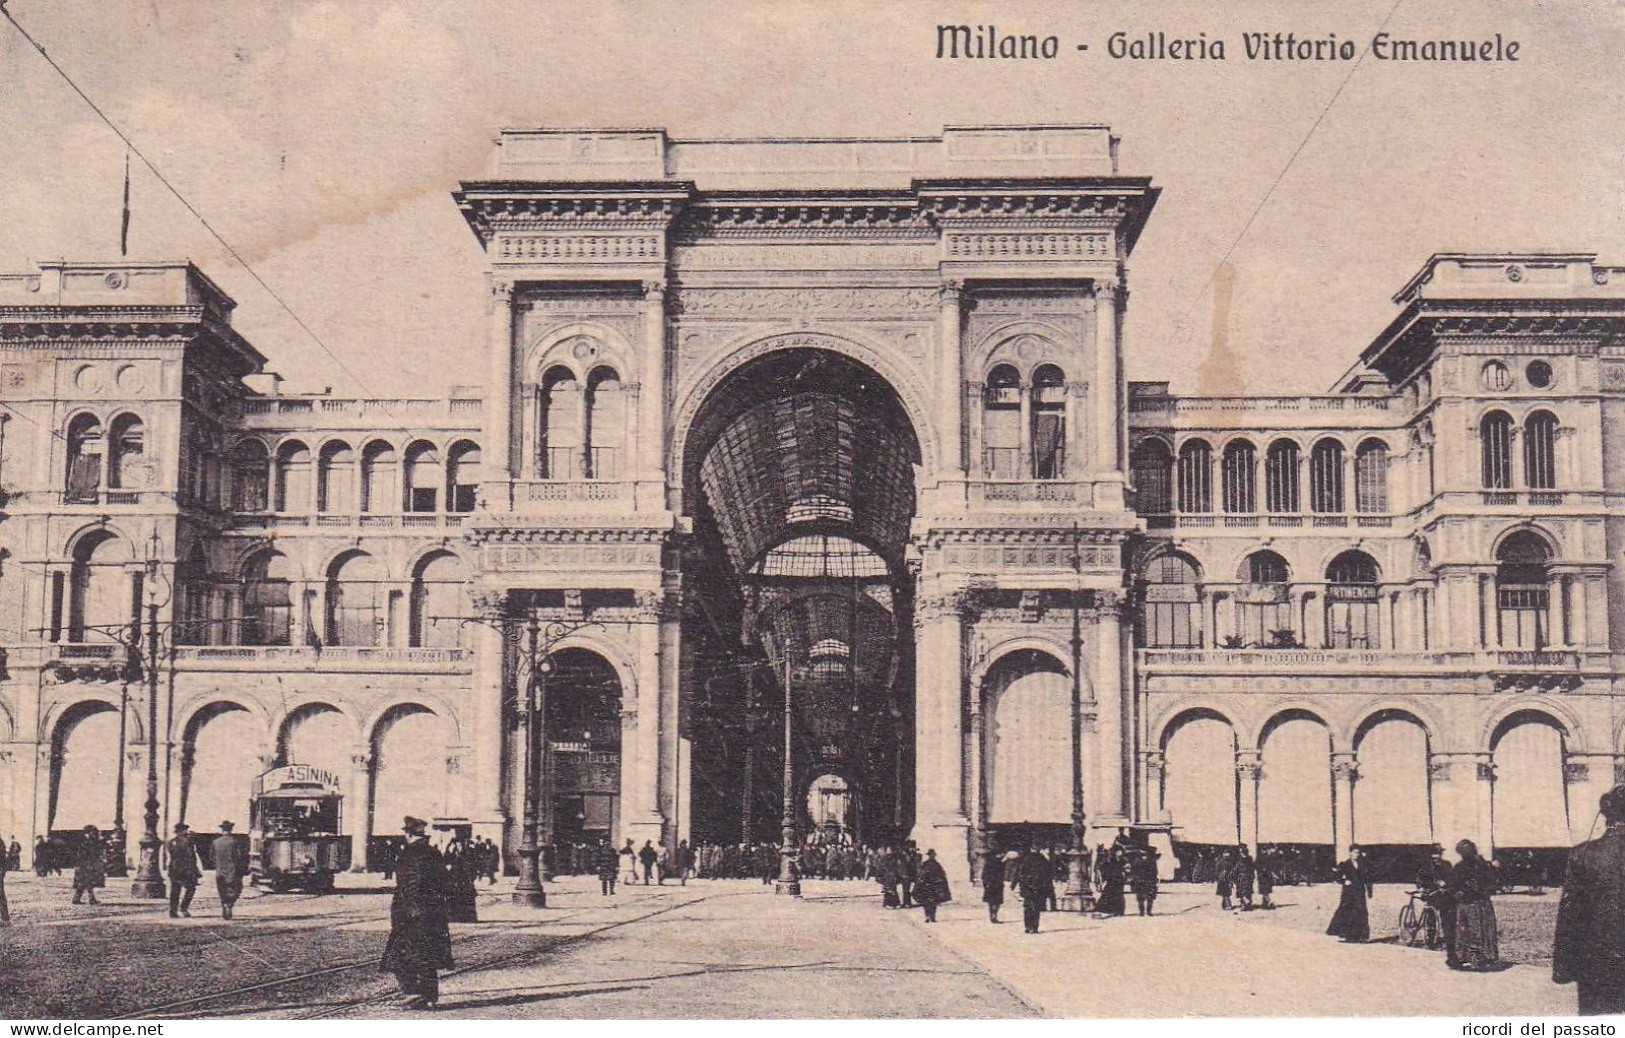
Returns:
(89,866)
(228,870)
(1589,947)
(1437,890)
(184,871)
(419,933)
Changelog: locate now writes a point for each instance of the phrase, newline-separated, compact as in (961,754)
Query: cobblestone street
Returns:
(732,949)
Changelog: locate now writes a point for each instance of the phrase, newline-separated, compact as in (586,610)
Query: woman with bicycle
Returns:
(1472,881)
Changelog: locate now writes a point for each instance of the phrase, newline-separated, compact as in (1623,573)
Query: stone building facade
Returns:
(828,439)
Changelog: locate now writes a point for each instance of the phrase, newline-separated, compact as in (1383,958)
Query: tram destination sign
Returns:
(296,775)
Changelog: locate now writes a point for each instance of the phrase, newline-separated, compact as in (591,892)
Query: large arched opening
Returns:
(799,472)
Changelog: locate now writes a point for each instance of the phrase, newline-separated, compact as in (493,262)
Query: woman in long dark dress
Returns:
(1351,922)
(1112,875)
(419,937)
(931,886)
(1472,882)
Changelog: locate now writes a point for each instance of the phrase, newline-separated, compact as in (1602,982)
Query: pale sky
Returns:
(323,139)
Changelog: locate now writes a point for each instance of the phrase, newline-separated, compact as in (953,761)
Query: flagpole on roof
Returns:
(124,224)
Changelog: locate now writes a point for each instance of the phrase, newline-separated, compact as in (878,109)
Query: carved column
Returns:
(939,803)
(1105,414)
(360,817)
(1153,766)
(652,393)
(1111,714)
(1345,772)
(1484,799)
(951,355)
(975,404)
(975,744)
(498,447)
(484,795)
(1248,771)
(1077,439)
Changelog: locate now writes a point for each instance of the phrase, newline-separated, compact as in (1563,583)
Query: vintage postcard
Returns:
(725,510)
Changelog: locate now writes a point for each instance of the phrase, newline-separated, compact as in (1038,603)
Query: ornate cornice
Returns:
(566,535)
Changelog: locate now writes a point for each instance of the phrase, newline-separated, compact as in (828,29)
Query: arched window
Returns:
(462,476)
(125,448)
(267,600)
(355,600)
(102,594)
(1153,477)
(85,448)
(1239,477)
(335,479)
(559,421)
(1281,478)
(1326,477)
(1195,477)
(293,477)
(1171,617)
(606,424)
(192,590)
(1352,612)
(439,599)
(251,467)
(1001,424)
(423,477)
(1371,477)
(1495,442)
(1540,451)
(1049,423)
(380,478)
(1263,606)
(1523,592)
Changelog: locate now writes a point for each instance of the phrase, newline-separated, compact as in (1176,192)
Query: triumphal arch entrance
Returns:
(807,457)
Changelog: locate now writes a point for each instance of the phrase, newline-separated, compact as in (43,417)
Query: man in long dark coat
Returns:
(608,865)
(931,886)
(184,871)
(1033,879)
(90,866)
(1242,873)
(419,933)
(1589,947)
(228,870)
(1434,882)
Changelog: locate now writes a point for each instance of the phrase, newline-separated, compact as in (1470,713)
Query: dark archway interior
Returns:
(800,478)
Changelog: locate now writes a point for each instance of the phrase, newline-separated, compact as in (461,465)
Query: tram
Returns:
(295,837)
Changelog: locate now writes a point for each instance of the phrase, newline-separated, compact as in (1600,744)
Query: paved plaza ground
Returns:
(732,949)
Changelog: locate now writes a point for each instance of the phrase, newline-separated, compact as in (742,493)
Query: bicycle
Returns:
(1419,918)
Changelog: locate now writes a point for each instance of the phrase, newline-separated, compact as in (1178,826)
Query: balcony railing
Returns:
(308,657)
(1359,660)
(566,463)
(101,496)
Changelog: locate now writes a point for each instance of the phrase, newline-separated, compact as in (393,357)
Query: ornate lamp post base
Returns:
(529,892)
(149,881)
(789,881)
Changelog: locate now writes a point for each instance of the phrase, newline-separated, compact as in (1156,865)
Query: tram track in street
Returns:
(198,1007)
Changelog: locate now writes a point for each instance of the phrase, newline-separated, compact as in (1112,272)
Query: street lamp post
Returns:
(789,881)
(149,880)
(1077,897)
(529,890)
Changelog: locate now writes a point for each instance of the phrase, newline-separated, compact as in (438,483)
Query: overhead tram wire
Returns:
(1184,319)
(201,219)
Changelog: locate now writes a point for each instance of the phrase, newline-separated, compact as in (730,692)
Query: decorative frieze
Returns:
(578,248)
(758,303)
(1027,245)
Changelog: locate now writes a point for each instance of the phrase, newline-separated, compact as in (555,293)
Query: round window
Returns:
(1496,376)
(1539,374)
